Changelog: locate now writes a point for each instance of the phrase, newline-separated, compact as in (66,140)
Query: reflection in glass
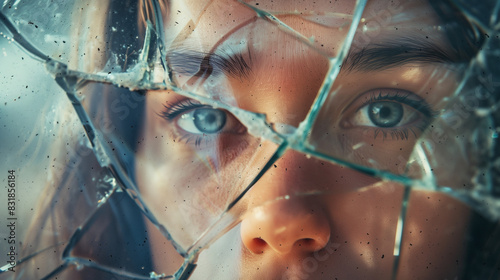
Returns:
(275,140)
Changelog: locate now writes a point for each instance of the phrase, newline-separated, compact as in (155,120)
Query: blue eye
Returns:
(203,121)
(392,109)
(209,120)
(385,113)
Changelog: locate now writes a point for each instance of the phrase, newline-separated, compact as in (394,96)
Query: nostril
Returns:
(310,244)
(259,245)
(259,242)
(305,242)
(286,226)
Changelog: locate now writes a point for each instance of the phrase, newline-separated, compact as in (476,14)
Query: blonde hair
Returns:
(69,199)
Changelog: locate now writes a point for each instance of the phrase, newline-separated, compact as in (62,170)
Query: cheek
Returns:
(188,186)
(435,236)
(183,195)
(365,224)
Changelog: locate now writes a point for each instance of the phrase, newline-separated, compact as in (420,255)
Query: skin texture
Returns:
(337,222)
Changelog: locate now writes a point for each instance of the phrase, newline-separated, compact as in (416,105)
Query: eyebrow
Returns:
(202,64)
(390,54)
(373,57)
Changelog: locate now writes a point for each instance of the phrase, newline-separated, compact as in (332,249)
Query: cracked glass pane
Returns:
(225,139)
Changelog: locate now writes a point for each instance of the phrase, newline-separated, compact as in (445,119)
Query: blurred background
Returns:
(28,126)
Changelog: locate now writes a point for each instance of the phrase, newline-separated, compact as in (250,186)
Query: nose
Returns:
(295,223)
(285,227)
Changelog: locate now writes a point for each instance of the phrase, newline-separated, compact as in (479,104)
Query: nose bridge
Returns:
(286,80)
(296,173)
(292,172)
(280,220)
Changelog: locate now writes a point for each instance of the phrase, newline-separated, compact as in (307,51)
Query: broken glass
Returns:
(229,139)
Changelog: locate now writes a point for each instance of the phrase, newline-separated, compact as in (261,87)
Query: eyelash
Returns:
(419,105)
(402,133)
(172,111)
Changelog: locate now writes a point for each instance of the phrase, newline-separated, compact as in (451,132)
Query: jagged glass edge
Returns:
(293,141)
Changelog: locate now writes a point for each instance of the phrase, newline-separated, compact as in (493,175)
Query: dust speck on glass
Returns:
(230,139)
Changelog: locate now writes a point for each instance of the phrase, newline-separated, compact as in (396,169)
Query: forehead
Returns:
(204,24)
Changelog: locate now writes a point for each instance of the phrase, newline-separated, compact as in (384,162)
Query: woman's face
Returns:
(305,217)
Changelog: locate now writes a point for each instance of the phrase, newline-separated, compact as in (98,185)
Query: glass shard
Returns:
(233,139)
